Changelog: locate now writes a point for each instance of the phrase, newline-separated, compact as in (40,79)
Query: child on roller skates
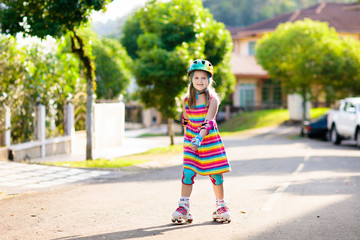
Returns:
(204,152)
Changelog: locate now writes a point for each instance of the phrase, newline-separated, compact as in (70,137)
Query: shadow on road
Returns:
(140,232)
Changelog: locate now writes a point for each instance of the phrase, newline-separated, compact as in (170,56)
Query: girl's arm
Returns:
(212,110)
(184,114)
(184,111)
(211,114)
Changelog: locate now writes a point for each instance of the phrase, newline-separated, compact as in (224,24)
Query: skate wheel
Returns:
(190,220)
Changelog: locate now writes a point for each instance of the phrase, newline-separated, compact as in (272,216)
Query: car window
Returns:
(349,106)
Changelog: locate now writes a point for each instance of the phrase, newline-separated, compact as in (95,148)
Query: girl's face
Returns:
(200,80)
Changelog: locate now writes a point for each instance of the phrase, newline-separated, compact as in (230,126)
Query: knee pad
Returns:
(217,179)
(188,176)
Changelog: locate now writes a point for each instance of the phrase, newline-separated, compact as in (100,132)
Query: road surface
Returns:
(280,187)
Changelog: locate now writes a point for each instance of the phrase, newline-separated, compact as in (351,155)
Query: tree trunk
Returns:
(88,120)
(78,48)
(303,94)
(171,130)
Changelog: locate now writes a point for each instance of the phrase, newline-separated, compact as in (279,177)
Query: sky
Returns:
(117,8)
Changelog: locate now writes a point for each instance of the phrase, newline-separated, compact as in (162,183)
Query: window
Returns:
(251,48)
(247,95)
(349,107)
(271,93)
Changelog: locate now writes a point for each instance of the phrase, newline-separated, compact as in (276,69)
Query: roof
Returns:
(352,99)
(246,66)
(344,17)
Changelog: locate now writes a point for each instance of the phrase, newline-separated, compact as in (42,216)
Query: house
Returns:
(254,88)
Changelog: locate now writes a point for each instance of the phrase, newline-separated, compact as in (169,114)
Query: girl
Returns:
(204,152)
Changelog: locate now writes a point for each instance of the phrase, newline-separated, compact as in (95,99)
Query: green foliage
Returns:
(168,36)
(112,64)
(131,32)
(42,18)
(308,53)
(349,80)
(14,76)
(56,18)
(36,74)
(112,68)
(242,13)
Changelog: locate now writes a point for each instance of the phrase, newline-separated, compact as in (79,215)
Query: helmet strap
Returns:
(199,93)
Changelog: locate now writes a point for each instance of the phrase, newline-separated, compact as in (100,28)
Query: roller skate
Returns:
(181,214)
(222,213)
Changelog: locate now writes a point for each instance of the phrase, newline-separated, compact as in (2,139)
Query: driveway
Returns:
(280,187)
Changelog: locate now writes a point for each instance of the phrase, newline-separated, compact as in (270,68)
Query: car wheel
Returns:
(302,132)
(327,136)
(335,138)
(358,138)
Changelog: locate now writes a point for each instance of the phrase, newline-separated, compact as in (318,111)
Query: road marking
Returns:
(269,204)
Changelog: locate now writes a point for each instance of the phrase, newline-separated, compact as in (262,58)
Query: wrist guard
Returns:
(197,140)
(184,121)
(208,125)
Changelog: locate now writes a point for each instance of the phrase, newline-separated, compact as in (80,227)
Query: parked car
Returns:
(344,122)
(317,128)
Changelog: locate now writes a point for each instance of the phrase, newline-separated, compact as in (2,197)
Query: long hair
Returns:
(191,94)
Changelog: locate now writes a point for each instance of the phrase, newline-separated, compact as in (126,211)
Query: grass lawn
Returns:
(122,162)
(156,135)
(257,119)
(316,112)
(241,122)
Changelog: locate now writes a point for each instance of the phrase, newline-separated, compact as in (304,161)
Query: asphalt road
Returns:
(280,187)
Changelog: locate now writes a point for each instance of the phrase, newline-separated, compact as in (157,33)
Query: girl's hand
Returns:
(193,147)
(196,142)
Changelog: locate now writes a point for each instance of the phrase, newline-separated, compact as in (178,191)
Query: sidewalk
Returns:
(17,178)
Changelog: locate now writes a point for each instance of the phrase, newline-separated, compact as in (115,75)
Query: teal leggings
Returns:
(189,175)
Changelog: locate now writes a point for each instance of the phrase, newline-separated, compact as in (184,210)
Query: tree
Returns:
(306,54)
(168,36)
(56,18)
(131,31)
(113,73)
(241,13)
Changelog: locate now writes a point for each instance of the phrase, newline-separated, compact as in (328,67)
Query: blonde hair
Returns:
(191,93)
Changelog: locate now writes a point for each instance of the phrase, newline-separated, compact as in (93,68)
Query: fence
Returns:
(40,146)
(108,131)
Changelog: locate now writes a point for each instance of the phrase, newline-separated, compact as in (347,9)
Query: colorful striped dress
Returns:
(210,158)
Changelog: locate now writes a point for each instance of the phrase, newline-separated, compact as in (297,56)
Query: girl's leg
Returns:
(186,190)
(221,214)
(187,182)
(219,191)
(218,186)
(182,213)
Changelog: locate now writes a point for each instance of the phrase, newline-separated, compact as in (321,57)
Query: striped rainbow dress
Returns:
(210,158)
